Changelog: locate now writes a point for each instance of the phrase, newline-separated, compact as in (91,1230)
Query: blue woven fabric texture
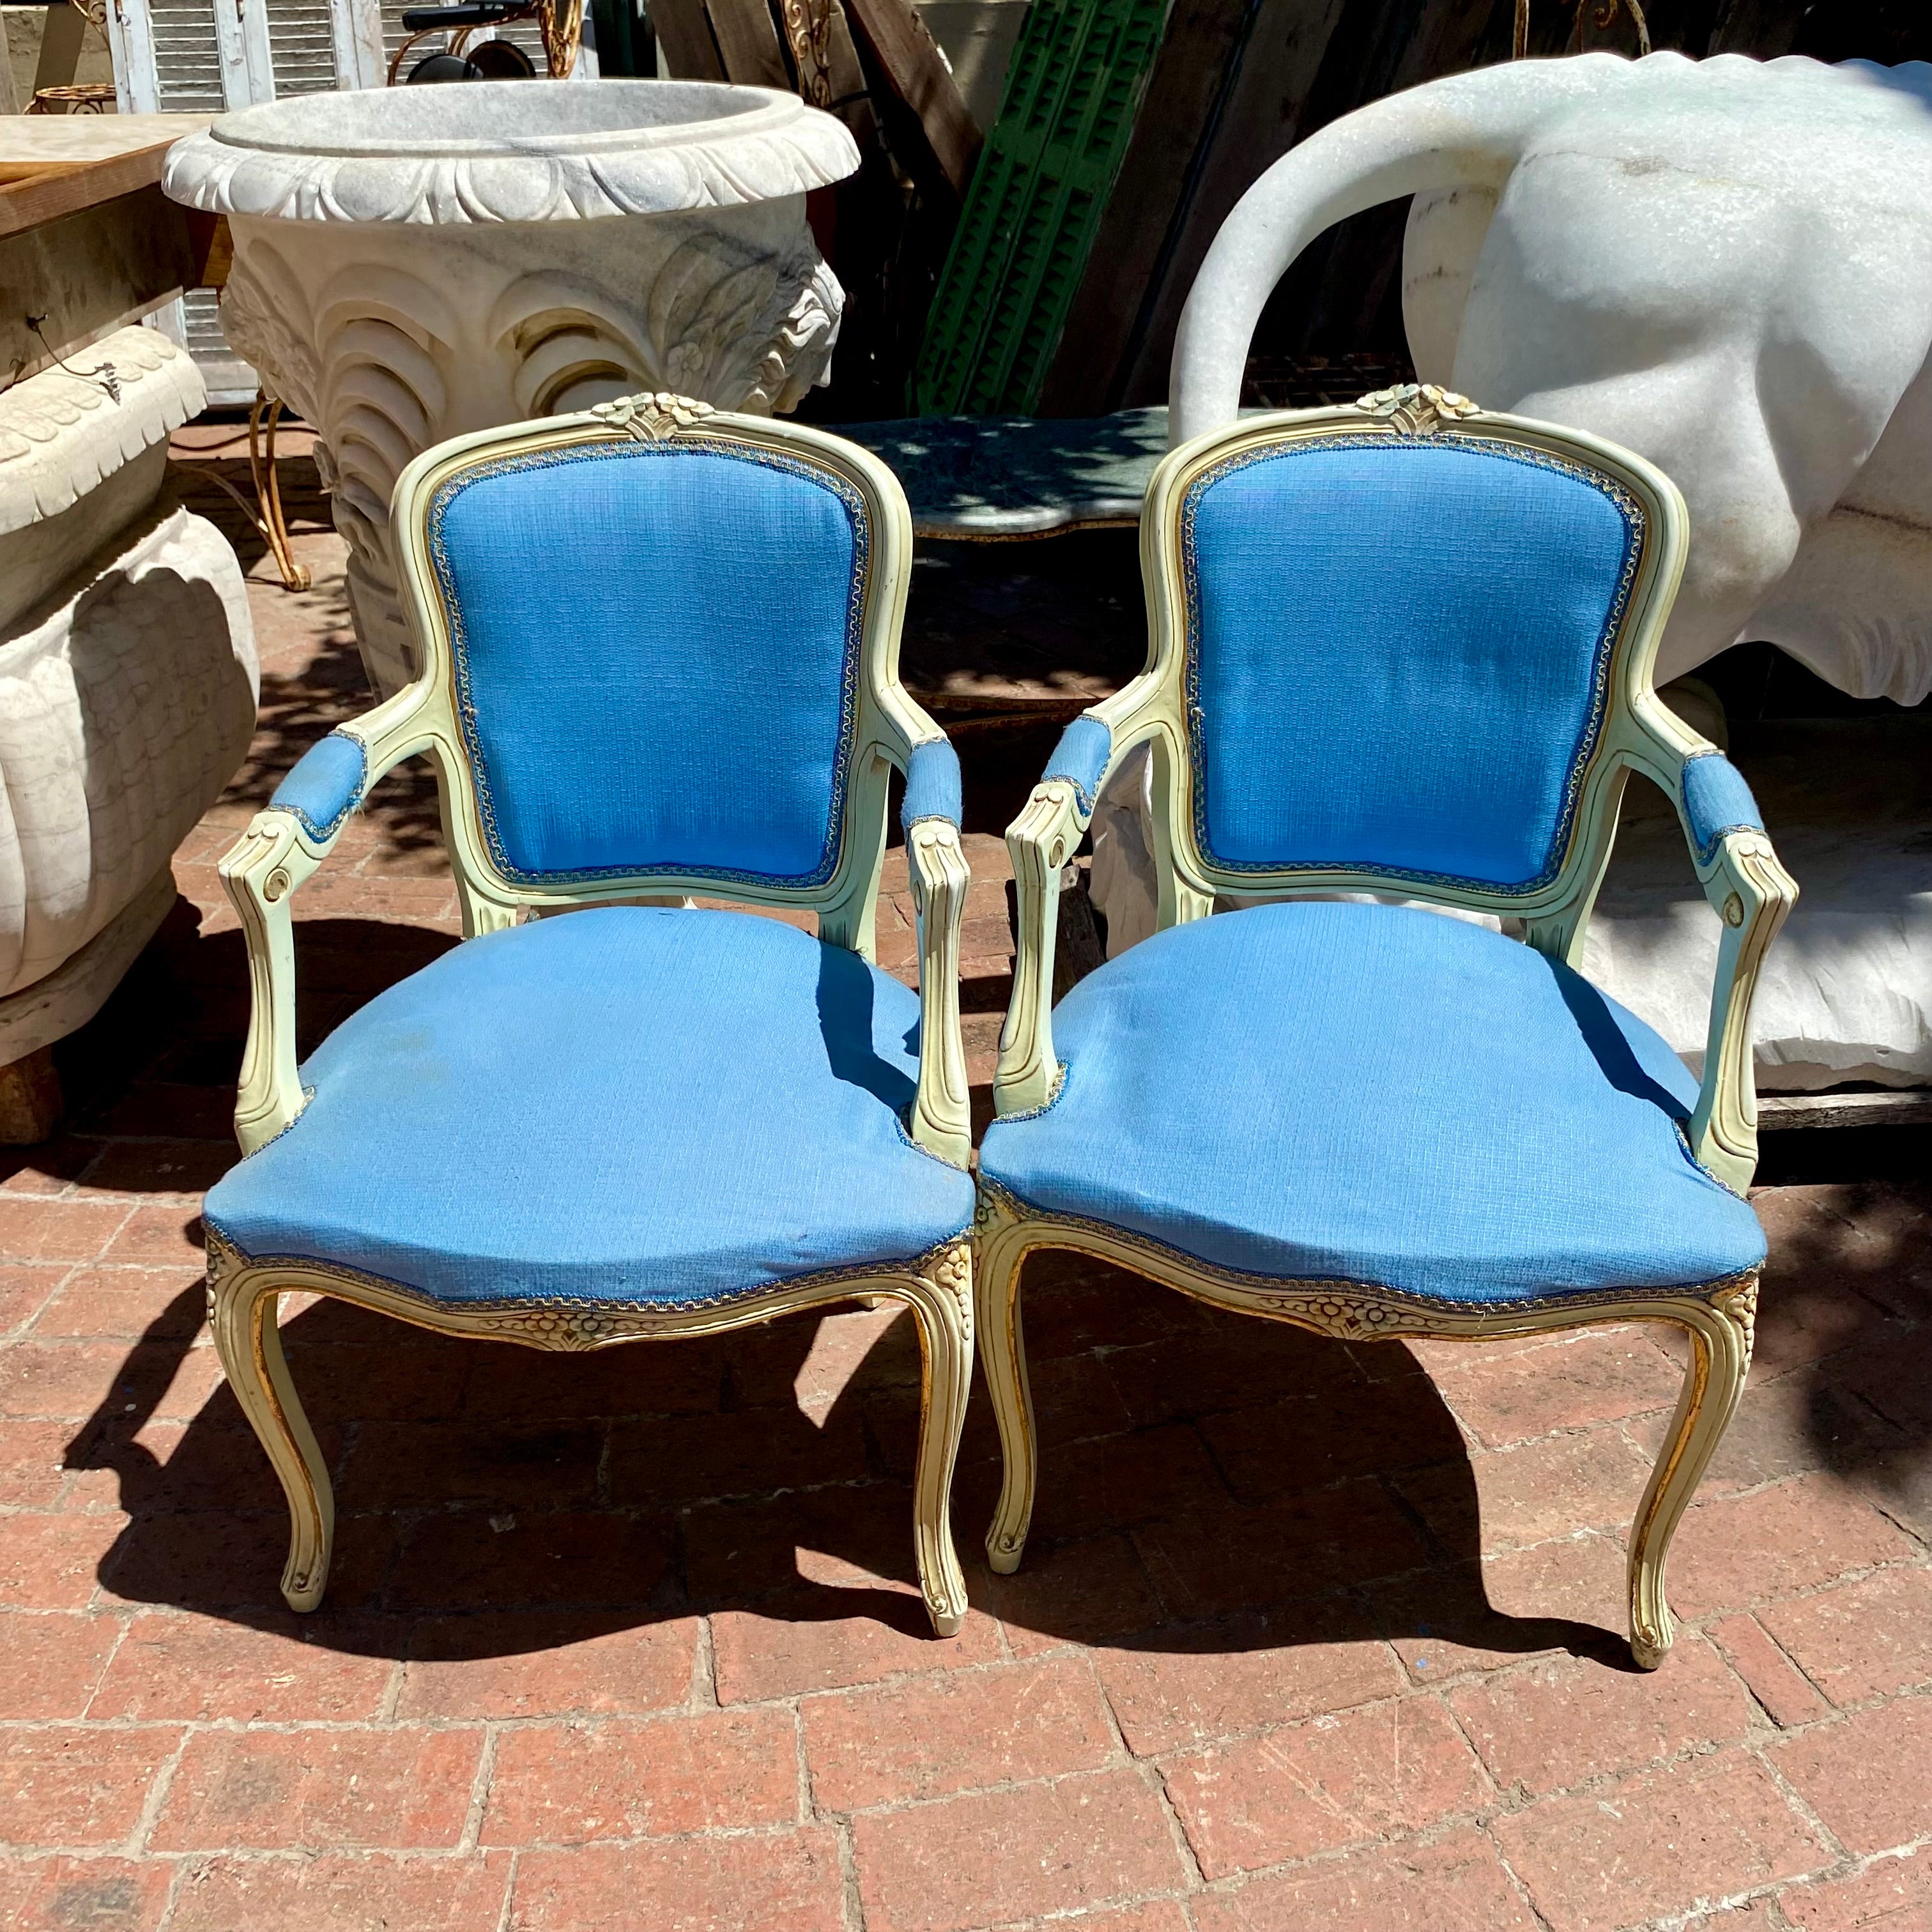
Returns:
(932,783)
(1080,757)
(623,1103)
(1375,1094)
(1716,800)
(1398,657)
(325,785)
(658,643)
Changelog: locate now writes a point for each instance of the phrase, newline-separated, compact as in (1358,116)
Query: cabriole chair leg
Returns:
(1001,1252)
(941,1300)
(1720,1352)
(242,1312)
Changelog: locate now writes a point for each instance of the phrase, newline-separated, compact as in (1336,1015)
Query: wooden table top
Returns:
(53,165)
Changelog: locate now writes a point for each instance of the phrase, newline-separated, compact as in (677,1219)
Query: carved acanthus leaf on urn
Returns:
(264,315)
(750,332)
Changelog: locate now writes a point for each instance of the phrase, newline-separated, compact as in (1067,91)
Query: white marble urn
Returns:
(413,263)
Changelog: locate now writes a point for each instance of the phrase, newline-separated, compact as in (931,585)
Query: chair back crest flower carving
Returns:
(1416,409)
(654,416)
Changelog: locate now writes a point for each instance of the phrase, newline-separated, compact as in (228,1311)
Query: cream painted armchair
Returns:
(660,658)
(1399,652)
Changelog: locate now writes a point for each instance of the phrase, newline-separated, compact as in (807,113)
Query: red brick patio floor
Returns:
(1308,1635)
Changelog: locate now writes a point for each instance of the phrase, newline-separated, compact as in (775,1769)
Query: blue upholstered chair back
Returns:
(1399,654)
(656,648)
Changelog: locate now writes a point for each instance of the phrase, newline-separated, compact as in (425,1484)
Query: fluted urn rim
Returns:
(491,151)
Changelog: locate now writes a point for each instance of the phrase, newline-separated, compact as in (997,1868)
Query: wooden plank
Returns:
(1192,78)
(92,271)
(213,249)
(909,61)
(62,36)
(66,188)
(356,28)
(1905,1106)
(748,43)
(1765,28)
(684,32)
(850,97)
(1263,117)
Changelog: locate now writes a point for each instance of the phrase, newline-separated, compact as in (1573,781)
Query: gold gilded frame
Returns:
(278,854)
(1742,880)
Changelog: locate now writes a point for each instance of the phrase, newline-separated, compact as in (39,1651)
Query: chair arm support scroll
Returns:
(1752,894)
(1041,841)
(285,843)
(941,1118)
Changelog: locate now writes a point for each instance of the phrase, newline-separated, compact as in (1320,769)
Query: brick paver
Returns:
(1308,1635)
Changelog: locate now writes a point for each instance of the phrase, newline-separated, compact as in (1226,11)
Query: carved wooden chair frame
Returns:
(281,848)
(1741,877)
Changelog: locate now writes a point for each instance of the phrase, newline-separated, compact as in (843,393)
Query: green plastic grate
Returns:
(1066,116)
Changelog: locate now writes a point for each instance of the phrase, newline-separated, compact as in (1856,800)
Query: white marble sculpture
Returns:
(127,676)
(1723,264)
(413,263)
(1726,266)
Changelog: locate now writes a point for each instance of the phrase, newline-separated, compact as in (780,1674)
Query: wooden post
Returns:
(30,1099)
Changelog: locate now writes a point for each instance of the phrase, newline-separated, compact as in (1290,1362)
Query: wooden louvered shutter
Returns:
(206,56)
(526,34)
(301,46)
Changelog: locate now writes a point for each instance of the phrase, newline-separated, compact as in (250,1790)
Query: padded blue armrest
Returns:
(1716,801)
(932,788)
(325,786)
(1080,758)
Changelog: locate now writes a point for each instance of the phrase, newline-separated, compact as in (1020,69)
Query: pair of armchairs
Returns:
(1399,651)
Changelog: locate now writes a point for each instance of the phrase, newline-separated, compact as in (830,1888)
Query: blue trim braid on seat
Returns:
(1399,654)
(325,785)
(932,786)
(1378,1095)
(1716,800)
(1080,758)
(656,651)
(623,1104)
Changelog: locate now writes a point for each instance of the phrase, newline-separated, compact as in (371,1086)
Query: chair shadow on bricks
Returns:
(1208,1486)
(159,1062)
(1841,1378)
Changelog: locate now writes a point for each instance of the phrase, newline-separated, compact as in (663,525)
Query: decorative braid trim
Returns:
(1708,851)
(588,1318)
(321,832)
(1338,1305)
(1626,506)
(854,505)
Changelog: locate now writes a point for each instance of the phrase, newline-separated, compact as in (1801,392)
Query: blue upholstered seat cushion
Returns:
(1375,1094)
(623,1103)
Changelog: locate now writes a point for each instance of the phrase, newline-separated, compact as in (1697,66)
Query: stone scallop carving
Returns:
(123,713)
(412,264)
(83,449)
(127,675)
